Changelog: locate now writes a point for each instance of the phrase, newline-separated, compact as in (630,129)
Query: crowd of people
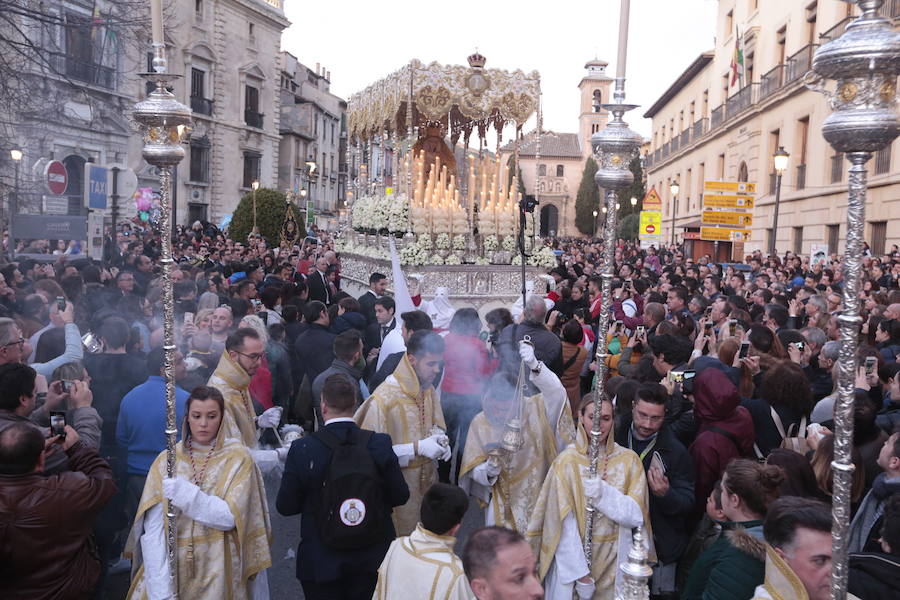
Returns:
(380,426)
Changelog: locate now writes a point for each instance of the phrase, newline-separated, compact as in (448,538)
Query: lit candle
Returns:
(156,17)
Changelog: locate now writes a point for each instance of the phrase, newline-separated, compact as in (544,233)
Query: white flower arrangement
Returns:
(509,243)
(545,257)
(482,261)
(490,243)
(459,242)
(442,241)
(380,213)
(435,259)
(452,260)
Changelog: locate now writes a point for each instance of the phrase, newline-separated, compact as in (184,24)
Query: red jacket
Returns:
(717,404)
(466,365)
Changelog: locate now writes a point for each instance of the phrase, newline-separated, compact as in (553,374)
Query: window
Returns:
(598,101)
(834,234)
(879,237)
(701,175)
(798,240)
(721,169)
(251,31)
(705,112)
(252,116)
(251,168)
(686,182)
(811,16)
(837,167)
(559,170)
(742,172)
(729,24)
(780,39)
(542,170)
(78,38)
(198,8)
(883,160)
(802,138)
(200,160)
(198,83)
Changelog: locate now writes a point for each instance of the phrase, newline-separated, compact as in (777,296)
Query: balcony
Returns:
(741,100)
(883,160)
(836,31)
(253,118)
(84,71)
(800,182)
(685,137)
(699,128)
(201,106)
(674,143)
(665,151)
(799,63)
(771,82)
(717,116)
(837,167)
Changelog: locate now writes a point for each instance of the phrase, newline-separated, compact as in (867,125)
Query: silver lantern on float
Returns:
(863,65)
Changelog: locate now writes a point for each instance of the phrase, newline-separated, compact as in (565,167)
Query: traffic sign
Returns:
(96,188)
(719,217)
(738,187)
(727,201)
(652,201)
(127,184)
(651,224)
(724,234)
(56,178)
(56,205)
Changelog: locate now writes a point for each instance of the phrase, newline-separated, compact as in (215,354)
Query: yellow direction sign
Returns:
(727,201)
(724,234)
(652,201)
(735,187)
(651,224)
(715,217)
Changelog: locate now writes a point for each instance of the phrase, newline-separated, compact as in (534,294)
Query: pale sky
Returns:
(362,41)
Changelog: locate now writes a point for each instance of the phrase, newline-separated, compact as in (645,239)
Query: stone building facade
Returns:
(554,180)
(707,129)
(313,147)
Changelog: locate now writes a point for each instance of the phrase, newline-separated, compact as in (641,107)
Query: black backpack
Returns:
(352,509)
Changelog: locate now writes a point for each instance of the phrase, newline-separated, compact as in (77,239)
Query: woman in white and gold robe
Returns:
(222,524)
(619,496)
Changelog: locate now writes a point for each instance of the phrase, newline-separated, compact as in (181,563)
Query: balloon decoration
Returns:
(146,201)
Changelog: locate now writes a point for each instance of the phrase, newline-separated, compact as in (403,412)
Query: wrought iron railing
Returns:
(883,160)
(84,71)
(741,100)
(799,63)
(699,128)
(674,143)
(685,137)
(253,118)
(717,116)
(800,182)
(771,82)
(836,31)
(201,105)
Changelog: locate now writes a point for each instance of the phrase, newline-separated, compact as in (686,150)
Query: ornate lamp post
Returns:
(254,186)
(614,147)
(594,229)
(864,63)
(16,155)
(673,189)
(163,120)
(780,160)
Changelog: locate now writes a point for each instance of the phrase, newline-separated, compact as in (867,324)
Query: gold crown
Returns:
(477,60)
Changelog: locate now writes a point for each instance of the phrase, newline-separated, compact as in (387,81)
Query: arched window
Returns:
(549,220)
(559,170)
(598,100)
(742,172)
(542,170)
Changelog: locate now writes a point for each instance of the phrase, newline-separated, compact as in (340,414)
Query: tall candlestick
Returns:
(156,18)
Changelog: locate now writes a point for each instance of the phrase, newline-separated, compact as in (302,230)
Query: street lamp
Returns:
(16,155)
(594,231)
(780,158)
(673,189)
(255,186)
(310,173)
(633,203)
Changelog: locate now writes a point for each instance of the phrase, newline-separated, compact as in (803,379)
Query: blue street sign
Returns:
(95,186)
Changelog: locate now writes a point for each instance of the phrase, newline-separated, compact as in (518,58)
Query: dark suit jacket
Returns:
(387,369)
(300,492)
(367,306)
(372,337)
(314,351)
(318,288)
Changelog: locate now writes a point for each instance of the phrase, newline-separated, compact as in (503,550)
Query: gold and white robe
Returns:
(406,412)
(239,420)
(213,564)
(558,523)
(547,430)
(422,566)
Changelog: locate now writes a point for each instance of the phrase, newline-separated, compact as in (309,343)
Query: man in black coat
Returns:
(413,321)
(670,479)
(318,282)
(384,323)
(377,287)
(314,346)
(324,572)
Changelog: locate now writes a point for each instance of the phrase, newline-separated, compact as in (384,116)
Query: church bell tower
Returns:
(595,91)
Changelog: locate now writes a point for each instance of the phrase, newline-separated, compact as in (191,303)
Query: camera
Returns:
(57,424)
(67,386)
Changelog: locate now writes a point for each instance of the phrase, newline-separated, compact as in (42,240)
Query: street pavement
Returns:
(283,584)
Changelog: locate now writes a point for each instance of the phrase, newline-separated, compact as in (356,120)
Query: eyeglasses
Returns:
(253,357)
(20,342)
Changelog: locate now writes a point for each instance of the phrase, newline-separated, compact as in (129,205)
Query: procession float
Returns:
(452,212)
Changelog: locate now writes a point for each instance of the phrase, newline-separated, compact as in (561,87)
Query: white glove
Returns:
(282,453)
(593,486)
(433,448)
(270,418)
(585,591)
(180,492)
(526,352)
(492,470)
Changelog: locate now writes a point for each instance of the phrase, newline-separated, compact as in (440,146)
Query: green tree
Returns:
(588,199)
(628,227)
(271,207)
(635,190)
(511,163)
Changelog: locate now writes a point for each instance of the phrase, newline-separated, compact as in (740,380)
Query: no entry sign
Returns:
(56,178)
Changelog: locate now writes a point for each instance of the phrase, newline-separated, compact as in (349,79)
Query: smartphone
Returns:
(627,285)
(657,462)
(708,312)
(800,346)
(689,374)
(255,303)
(61,303)
(67,386)
(745,349)
(707,329)
(618,326)
(732,327)
(639,331)
(188,317)
(57,423)
(676,376)
(871,363)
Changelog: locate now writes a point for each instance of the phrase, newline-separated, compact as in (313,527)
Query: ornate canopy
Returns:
(460,98)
